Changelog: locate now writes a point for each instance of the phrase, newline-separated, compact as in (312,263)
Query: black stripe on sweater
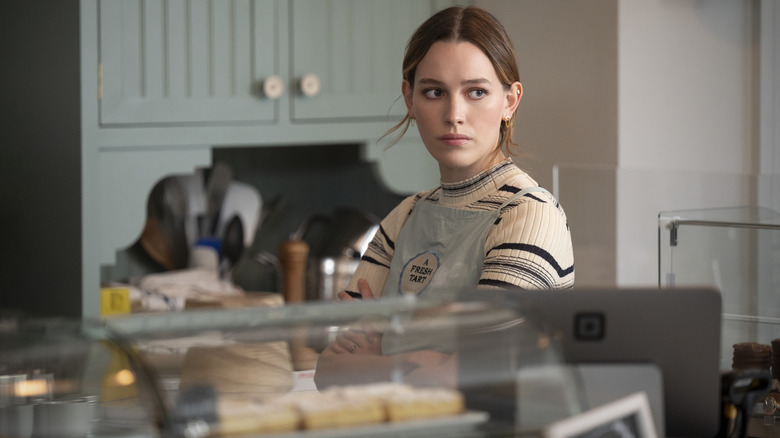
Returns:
(515,190)
(467,187)
(496,283)
(373,261)
(531,272)
(390,243)
(533,249)
(513,204)
(507,285)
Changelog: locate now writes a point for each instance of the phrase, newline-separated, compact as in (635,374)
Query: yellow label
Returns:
(114,301)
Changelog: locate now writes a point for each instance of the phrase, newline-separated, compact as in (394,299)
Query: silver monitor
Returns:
(676,331)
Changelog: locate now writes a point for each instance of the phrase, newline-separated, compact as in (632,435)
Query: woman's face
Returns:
(459,103)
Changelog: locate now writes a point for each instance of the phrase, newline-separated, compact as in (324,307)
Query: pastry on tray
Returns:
(239,415)
(337,408)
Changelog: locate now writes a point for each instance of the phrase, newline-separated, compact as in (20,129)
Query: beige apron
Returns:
(439,250)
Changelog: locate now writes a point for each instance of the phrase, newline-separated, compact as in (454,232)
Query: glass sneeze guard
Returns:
(254,371)
(736,250)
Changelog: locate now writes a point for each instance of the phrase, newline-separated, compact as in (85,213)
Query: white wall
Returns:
(769,125)
(686,85)
(688,103)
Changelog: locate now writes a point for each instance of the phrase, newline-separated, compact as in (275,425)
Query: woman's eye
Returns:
(433,93)
(477,94)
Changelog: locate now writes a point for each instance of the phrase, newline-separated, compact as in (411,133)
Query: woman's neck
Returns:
(454,175)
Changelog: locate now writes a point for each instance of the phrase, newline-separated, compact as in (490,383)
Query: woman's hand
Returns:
(435,369)
(358,342)
(363,287)
(364,340)
(354,357)
(426,358)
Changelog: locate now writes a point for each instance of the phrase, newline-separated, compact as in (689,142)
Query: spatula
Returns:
(218,182)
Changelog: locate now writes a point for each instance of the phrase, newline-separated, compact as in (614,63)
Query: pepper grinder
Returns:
(293,254)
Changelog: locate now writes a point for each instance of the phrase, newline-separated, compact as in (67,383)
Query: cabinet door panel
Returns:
(187,61)
(355,47)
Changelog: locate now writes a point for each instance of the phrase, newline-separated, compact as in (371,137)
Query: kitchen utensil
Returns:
(338,241)
(218,182)
(157,244)
(164,236)
(232,243)
(193,187)
(242,200)
(292,256)
(345,232)
(327,276)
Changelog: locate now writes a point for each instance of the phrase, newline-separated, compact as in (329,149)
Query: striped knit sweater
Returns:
(529,246)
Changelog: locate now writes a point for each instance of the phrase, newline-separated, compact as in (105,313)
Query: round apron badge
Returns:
(418,272)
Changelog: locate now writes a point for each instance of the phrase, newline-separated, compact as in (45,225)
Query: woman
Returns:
(488,225)
(461,86)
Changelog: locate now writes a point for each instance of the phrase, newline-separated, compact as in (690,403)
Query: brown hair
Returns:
(458,24)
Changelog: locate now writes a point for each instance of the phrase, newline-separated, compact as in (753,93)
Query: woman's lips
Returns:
(455,139)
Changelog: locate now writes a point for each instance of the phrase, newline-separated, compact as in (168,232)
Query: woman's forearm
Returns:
(350,369)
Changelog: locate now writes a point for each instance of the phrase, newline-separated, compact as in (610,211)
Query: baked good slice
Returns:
(242,415)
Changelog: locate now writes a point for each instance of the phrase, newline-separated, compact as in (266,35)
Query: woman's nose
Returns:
(455,112)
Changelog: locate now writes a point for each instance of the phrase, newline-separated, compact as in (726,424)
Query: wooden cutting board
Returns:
(261,368)
(248,299)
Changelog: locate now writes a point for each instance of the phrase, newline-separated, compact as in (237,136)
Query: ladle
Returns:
(232,243)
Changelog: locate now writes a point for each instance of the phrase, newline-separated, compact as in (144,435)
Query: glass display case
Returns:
(68,378)
(736,250)
(393,367)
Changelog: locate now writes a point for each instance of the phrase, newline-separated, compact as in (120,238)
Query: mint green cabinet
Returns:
(195,62)
(355,48)
(187,61)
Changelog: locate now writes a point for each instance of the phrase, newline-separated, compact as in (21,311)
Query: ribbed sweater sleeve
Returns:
(530,247)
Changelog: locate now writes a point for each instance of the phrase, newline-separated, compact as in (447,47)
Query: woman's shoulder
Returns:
(514,179)
(523,193)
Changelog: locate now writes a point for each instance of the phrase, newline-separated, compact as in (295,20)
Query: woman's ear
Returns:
(406,89)
(513,97)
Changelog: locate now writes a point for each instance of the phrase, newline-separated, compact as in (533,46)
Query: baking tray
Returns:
(450,426)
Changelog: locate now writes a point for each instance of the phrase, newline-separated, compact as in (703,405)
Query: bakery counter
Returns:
(442,367)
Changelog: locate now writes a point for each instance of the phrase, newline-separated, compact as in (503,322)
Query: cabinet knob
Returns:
(310,85)
(273,87)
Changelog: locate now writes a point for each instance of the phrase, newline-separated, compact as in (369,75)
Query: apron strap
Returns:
(522,193)
(428,196)
(518,195)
